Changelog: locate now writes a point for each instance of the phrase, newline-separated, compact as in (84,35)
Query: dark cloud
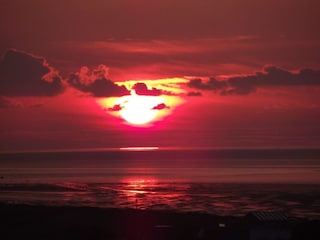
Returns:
(23,74)
(271,76)
(142,89)
(118,107)
(243,90)
(194,94)
(198,84)
(96,83)
(7,103)
(115,108)
(212,84)
(160,106)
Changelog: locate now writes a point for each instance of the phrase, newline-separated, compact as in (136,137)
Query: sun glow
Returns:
(137,109)
(144,110)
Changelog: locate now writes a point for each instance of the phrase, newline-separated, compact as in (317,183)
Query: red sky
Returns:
(253,66)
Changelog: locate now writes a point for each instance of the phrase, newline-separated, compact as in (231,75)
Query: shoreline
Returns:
(65,222)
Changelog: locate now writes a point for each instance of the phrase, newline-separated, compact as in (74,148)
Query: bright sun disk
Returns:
(138,109)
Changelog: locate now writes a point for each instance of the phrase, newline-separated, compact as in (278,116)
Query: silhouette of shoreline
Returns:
(42,222)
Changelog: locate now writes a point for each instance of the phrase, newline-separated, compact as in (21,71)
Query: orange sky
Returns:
(231,73)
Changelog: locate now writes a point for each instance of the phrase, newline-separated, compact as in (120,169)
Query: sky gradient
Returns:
(231,74)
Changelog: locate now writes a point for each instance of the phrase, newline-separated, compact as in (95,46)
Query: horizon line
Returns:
(152,148)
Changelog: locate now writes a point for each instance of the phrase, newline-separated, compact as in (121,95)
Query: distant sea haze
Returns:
(221,181)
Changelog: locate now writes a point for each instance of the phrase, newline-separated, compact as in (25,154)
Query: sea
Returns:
(225,182)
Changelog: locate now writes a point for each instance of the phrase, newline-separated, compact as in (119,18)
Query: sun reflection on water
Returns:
(149,193)
(140,185)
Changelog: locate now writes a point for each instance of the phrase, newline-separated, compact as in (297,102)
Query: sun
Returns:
(144,107)
(139,109)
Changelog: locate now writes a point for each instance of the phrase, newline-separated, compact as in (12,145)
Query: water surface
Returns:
(219,181)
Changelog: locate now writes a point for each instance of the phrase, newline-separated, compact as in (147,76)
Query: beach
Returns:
(41,222)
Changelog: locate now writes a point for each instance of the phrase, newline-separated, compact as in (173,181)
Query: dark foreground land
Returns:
(40,222)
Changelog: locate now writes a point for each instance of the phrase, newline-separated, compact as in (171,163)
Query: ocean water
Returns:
(219,181)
